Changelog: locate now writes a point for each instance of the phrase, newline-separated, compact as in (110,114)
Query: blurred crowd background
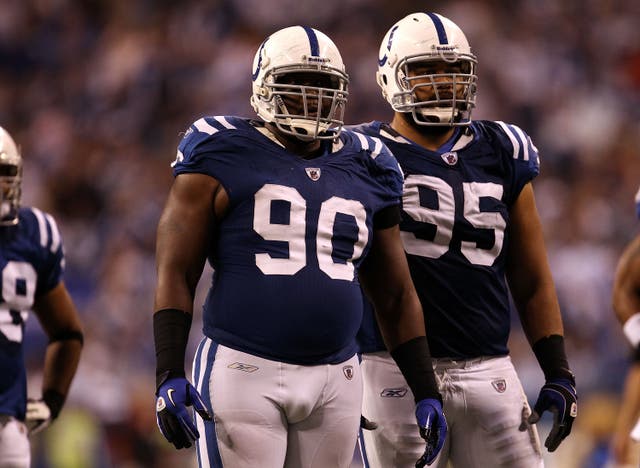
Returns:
(98,92)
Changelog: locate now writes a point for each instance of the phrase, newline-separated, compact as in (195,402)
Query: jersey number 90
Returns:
(293,233)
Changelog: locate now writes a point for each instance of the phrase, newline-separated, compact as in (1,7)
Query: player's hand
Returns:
(367,424)
(559,397)
(38,415)
(174,421)
(433,429)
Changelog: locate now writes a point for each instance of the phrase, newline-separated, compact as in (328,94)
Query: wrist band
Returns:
(552,358)
(414,361)
(171,334)
(631,329)
(54,400)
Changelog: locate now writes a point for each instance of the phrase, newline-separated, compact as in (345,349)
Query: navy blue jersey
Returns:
(454,228)
(286,254)
(31,261)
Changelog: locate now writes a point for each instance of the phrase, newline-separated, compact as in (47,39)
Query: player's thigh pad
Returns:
(388,401)
(487,410)
(14,443)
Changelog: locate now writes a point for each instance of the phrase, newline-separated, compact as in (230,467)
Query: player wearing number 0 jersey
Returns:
(31,268)
(472,235)
(294,216)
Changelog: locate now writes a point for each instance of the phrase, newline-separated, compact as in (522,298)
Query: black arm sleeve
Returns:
(387,217)
(171,334)
(414,360)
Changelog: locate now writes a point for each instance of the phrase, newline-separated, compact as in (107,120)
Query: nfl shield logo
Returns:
(500,385)
(450,158)
(348,372)
(313,173)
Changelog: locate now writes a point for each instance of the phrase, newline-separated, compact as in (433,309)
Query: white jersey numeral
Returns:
(18,290)
(443,218)
(293,233)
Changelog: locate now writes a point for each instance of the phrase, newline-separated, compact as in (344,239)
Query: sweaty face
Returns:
(438,80)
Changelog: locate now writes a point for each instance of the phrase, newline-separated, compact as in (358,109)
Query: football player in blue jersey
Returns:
(472,235)
(294,215)
(32,263)
(626,305)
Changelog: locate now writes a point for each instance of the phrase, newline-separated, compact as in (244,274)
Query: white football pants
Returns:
(484,404)
(270,414)
(14,443)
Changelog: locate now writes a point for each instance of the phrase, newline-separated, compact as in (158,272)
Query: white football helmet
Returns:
(418,42)
(300,83)
(10,179)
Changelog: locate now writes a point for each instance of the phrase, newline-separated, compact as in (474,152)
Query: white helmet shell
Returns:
(423,38)
(10,179)
(319,113)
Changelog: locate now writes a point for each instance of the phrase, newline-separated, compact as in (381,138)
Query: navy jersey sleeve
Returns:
(519,150)
(383,167)
(203,140)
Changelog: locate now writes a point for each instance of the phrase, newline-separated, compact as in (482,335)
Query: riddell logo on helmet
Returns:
(315,59)
(445,48)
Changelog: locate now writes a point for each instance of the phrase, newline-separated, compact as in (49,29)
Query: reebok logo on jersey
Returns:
(451,158)
(500,385)
(243,367)
(393,392)
(313,172)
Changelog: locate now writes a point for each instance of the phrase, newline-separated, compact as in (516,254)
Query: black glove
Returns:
(558,396)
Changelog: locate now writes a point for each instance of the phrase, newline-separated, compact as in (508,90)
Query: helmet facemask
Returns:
(307,103)
(443,97)
(10,192)
(10,180)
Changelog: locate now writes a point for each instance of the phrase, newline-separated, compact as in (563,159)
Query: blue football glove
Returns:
(559,397)
(433,429)
(174,421)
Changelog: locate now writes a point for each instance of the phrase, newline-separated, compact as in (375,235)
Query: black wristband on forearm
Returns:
(171,334)
(552,358)
(414,360)
(54,400)
(636,355)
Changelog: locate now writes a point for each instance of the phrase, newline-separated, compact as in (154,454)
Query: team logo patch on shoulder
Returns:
(451,158)
(313,172)
(500,385)
(394,392)
(348,372)
(243,367)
